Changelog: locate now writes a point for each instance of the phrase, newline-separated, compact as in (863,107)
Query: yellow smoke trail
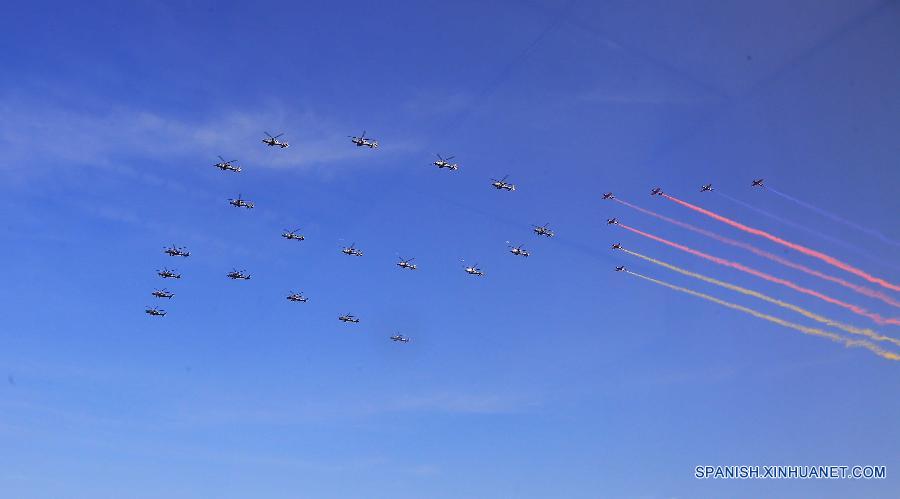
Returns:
(802,311)
(803,329)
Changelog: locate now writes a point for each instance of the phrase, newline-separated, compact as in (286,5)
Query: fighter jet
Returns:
(616,246)
(162,293)
(609,195)
(348,318)
(620,268)
(173,251)
(656,192)
(156,312)
(399,337)
(758,183)
(612,221)
(705,188)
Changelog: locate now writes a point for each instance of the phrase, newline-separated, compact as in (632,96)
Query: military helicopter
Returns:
(292,234)
(518,250)
(616,246)
(168,274)
(162,293)
(348,318)
(297,297)
(609,195)
(156,312)
(273,141)
(363,141)
(240,203)
(228,165)
(612,221)
(352,251)
(543,230)
(238,274)
(406,264)
(474,270)
(502,184)
(445,163)
(706,188)
(620,268)
(399,337)
(757,183)
(173,251)
(656,192)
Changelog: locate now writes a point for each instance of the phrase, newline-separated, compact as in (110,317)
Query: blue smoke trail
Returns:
(806,229)
(834,217)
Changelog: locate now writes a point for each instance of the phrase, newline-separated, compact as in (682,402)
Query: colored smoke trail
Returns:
(803,329)
(808,230)
(820,211)
(762,275)
(765,254)
(796,247)
(749,292)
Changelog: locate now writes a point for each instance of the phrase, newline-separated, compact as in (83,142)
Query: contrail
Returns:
(762,275)
(803,329)
(808,230)
(749,292)
(802,249)
(770,256)
(820,211)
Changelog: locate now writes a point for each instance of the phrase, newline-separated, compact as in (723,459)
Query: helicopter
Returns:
(352,251)
(543,230)
(706,188)
(757,183)
(445,163)
(474,270)
(612,221)
(238,274)
(609,195)
(620,268)
(228,165)
(168,274)
(656,192)
(292,234)
(173,251)
(273,141)
(297,297)
(399,337)
(156,312)
(240,203)
(406,264)
(502,184)
(363,141)
(162,293)
(616,246)
(348,318)
(518,250)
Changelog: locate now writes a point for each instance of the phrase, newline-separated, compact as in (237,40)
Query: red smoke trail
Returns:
(765,254)
(728,263)
(802,249)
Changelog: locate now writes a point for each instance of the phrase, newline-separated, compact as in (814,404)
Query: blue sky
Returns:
(552,376)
